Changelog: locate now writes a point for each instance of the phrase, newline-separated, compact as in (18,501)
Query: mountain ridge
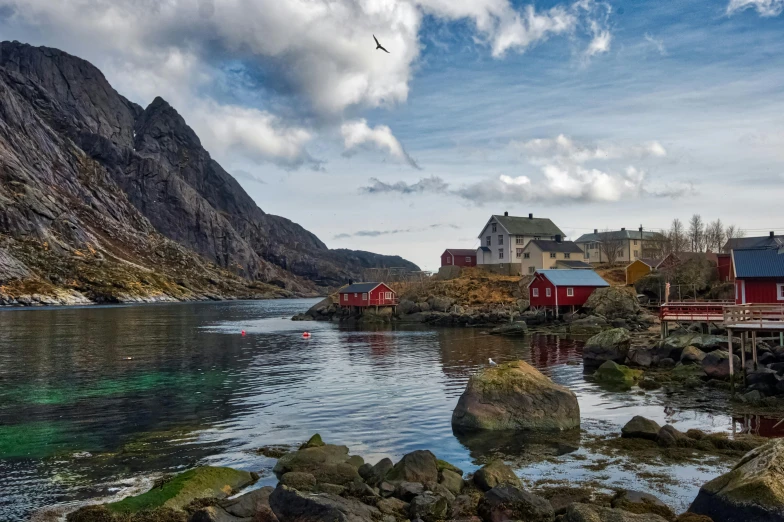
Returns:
(132,190)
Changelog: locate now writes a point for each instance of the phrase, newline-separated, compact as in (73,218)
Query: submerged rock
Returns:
(641,428)
(611,373)
(610,345)
(752,490)
(518,328)
(495,474)
(515,396)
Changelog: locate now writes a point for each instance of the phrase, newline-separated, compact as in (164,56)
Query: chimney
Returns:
(530,216)
(506,214)
(623,229)
(558,238)
(595,230)
(772,234)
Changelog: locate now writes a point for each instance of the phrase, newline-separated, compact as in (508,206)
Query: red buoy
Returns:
(306,335)
(243,333)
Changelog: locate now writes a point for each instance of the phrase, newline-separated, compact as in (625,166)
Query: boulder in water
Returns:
(610,345)
(515,329)
(641,428)
(612,373)
(494,474)
(515,396)
(752,490)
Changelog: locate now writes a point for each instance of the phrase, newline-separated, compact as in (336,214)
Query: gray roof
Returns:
(573,277)
(358,288)
(461,251)
(759,262)
(573,265)
(568,247)
(753,242)
(651,261)
(524,226)
(618,234)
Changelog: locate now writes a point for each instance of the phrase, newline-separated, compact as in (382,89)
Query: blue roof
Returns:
(759,262)
(358,287)
(573,277)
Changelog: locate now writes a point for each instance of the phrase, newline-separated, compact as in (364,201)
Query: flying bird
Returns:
(492,362)
(379,46)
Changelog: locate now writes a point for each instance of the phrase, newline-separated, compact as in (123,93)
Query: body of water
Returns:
(94,401)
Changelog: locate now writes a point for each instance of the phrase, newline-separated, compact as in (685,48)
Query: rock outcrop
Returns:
(120,203)
(613,302)
(752,490)
(515,396)
(610,345)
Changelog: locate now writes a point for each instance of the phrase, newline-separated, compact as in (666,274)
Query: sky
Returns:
(595,114)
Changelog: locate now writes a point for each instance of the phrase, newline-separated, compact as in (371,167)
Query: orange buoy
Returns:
(306,335)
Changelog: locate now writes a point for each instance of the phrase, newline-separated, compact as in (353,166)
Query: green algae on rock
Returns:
(612,373)
(515,396)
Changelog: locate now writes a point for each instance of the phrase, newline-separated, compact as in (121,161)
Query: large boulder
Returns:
(378,472)
(406,307)
(417,466)
(611,373)
(253,506)
(494,474)
(441,303)
(752,490)
(589,513)
(327,463)
(428,507)
(640,356)
(515,396)
(290,505)
(716,364)
(641,428)
(692,355)
(451,481)
(515,329)
(670,437)
(610,345)
(202,482)
(586,325)
(641,503)
(507,503)
(613,302)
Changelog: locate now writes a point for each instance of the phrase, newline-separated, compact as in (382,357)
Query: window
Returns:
(520,240)
(494,227)
(500,253)
(620,252)
(468,259)
(448,259)
(489,241)
(500,239)
(355,294)
(519,252)
(587,255)
(570,292)
(780,292)
(552,255)
(537,238)
(635,242)
(567,255)
(635,253)
(531,270)
(387,295)
(547,292)
(364,296)
(535,291)
(527,255)
(345,297)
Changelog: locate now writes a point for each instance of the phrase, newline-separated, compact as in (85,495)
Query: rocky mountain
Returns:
(103,200)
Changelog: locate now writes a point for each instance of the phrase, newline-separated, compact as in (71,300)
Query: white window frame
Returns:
(345,297)
(567,255)
(489,241)
(552,255)
(364,296)
(547,292)
(780,291)
(468,259)
(519,253)
(494,228)
(569,292)
(355,294)
(448,259)
(519,240)
(387,295)
(531,269)
(500,239)
(500,253)
(535,292)
(526,255)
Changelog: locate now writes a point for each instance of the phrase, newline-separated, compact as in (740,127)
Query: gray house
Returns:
(503,239)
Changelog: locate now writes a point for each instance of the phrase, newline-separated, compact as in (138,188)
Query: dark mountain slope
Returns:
(95,191)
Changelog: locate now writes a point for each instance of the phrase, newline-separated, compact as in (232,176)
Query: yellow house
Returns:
(539,254)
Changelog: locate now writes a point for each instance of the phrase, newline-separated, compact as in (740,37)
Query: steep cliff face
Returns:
(95,190)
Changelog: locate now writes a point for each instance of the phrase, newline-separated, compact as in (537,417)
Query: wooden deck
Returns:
(754,317)
(694,311)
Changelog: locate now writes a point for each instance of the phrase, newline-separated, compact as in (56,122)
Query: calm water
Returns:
(94,401)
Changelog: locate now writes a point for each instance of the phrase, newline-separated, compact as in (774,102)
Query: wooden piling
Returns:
(754,348)
(742,358)
(732,369)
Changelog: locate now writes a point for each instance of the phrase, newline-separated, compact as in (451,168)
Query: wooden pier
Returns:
(691,312)
(751,319)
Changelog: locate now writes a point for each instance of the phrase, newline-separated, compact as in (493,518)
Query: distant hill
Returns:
(117,202)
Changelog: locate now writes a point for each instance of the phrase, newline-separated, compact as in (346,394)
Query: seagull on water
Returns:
(492,362)
(379,46)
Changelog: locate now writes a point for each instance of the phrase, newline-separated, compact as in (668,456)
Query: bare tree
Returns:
(610,245)
(714,235)
(676,237)
(696,233)
(656,246)
(732,232)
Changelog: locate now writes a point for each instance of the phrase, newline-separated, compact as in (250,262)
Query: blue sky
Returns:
(595,114)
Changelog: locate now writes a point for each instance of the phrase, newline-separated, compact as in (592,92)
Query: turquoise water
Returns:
(95,400)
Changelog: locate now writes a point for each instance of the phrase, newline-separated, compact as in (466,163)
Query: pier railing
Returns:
(759,317)
(696,311)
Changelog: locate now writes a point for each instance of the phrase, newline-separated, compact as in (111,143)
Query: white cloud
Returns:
(357,133)
(565,149)
(763,7)
(601,41)
(657,43)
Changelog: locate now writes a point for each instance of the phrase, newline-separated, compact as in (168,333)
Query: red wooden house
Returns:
(363,295)
(724,265)
(556,289)
(458,257)
(759,275)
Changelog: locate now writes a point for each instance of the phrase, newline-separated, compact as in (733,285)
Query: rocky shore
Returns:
(325,483)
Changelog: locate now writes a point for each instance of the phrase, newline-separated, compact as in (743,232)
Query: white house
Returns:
(503,238)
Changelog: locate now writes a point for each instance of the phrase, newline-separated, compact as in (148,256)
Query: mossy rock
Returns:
(442,465)
(103,514)
(202,482)
(611,372)
(314,442)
